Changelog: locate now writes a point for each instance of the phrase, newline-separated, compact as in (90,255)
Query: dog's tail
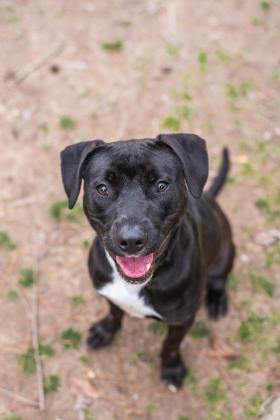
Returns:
(220,179)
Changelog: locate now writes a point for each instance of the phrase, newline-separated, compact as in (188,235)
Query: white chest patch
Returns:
(125,295)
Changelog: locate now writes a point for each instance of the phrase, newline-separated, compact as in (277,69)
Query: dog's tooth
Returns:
(148,266)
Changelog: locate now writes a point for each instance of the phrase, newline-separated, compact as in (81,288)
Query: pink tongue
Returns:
(135,266)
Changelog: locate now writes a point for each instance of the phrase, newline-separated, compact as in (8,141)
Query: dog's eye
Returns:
(102,189)
(162,186)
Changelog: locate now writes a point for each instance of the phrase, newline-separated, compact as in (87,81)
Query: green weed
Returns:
(88,414)
(85,360)
(202,60)
(124,23)
(59,211)
(250,328)
(27,361)
(261,281)
(12,295)
(78,300)
(240,363)
(51,384)
(112,46)
(185,112)
(157,328)
(71,338)
(86,243)
(216,391)
(223,56)
(6,242)
(200,329)
(273,256)
(172,123)
(265,5)
(254,406)
(27,277)
(172,50)
(67,123)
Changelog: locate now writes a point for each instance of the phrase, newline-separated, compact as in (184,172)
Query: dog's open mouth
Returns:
(136,269)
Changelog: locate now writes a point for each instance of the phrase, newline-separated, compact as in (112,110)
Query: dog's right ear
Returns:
(72,161)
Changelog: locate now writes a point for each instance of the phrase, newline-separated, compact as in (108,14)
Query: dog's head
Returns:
(135,193)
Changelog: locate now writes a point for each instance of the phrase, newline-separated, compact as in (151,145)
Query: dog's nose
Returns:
(131,239)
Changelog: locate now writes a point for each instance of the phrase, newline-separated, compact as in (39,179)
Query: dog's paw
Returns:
(174,374)
(99,335)
(217,304)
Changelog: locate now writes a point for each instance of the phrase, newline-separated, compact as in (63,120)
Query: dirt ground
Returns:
(71,71)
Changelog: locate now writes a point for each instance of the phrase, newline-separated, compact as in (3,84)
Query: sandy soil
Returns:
(207,67)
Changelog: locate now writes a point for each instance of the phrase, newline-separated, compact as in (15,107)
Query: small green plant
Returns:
(185,112)
(12,295)
(6,242)
(124,23)
(112,46)
(183,418)
(51,384)
(157,328)
(149,407)
(200,329)
(27,277)
(261,281)
(27,361)
(88,414)
(262,203)
(265,5)
(276,346)
(71,338)
(223,56)
(78,300)
(240,363)
(172,123)
(172,50)
(202,60)
(235,91)
(67,123)
(273,256)
(253,409)
(12,417)
(85,360)
(250,328)
(46,349)
(233,281)
(270,206)
(191,380)
(137,356)
(59,211)
(232,92)
(269,387)
(216,391)
(246,169)
(86,243)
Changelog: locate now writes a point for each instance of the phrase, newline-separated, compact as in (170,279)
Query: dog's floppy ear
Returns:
(72,160)
(191,151)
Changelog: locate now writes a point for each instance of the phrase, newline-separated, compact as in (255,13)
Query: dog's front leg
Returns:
(102,333)
(173,370)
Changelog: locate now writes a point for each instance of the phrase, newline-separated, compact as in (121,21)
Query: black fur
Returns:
(187,231)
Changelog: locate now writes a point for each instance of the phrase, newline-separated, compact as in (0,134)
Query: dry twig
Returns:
(18,397)
(35,65)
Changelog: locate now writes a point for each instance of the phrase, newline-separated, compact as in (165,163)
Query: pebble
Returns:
(244,258)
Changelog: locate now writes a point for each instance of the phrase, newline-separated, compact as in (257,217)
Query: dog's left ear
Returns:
(73,159)
(191,151)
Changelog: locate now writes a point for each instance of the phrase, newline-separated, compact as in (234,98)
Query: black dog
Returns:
(161,245)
